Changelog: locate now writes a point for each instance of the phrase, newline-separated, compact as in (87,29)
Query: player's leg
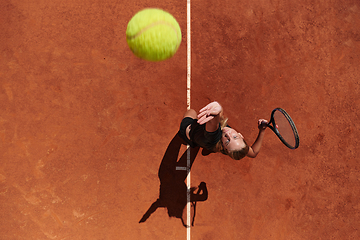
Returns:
(191,113)
(188,119)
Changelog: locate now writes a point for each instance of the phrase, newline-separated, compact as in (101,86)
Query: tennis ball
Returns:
(153,34)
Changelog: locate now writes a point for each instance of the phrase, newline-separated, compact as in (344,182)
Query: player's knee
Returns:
(190,113)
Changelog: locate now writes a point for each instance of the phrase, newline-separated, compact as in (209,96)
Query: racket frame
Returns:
(276,131)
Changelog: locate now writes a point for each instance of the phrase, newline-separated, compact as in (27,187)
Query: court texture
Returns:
(85,125)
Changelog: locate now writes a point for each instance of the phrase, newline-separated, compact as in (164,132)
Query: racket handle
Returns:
(263,124)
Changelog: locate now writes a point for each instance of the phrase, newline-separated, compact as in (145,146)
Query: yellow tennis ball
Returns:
(153,34)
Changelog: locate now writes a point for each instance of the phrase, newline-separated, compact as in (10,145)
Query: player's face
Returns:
(232,140)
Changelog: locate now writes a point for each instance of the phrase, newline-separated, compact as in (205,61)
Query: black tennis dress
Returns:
(198,134)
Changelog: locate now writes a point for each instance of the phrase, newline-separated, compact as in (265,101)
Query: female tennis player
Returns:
(209,130)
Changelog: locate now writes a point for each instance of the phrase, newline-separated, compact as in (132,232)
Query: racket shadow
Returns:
(173,190)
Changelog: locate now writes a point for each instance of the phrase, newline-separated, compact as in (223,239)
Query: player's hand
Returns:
(209,112)
(262,124)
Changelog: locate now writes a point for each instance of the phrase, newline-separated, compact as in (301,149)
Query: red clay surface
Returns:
(84,124)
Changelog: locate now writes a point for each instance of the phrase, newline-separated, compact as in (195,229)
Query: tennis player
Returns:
(209,130)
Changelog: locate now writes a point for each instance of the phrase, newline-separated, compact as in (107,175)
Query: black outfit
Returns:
(198,134)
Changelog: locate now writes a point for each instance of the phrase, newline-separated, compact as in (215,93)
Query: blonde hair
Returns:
(236,155)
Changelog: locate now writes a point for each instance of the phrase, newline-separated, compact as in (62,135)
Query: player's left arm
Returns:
(210,114)
(255,148)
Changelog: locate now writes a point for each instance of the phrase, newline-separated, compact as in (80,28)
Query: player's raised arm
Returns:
(255,148)
(210,114)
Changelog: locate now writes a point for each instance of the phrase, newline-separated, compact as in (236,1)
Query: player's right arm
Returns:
(255,148)
(210,114)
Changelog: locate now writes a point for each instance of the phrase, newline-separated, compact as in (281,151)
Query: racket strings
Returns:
(286,128)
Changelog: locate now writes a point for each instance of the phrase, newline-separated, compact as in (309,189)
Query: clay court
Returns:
(85,125)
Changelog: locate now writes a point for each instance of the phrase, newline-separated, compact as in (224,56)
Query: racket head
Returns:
(284,127)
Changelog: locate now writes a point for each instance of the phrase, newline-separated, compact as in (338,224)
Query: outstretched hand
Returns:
(209,112)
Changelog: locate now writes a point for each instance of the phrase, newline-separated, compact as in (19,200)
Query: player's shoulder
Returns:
(251,153)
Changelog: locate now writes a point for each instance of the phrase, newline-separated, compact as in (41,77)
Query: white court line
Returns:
(188,84)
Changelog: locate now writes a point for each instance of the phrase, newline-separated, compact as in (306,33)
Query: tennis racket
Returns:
(284,127)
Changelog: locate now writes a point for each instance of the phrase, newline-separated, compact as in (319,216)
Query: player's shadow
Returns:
(173,190)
